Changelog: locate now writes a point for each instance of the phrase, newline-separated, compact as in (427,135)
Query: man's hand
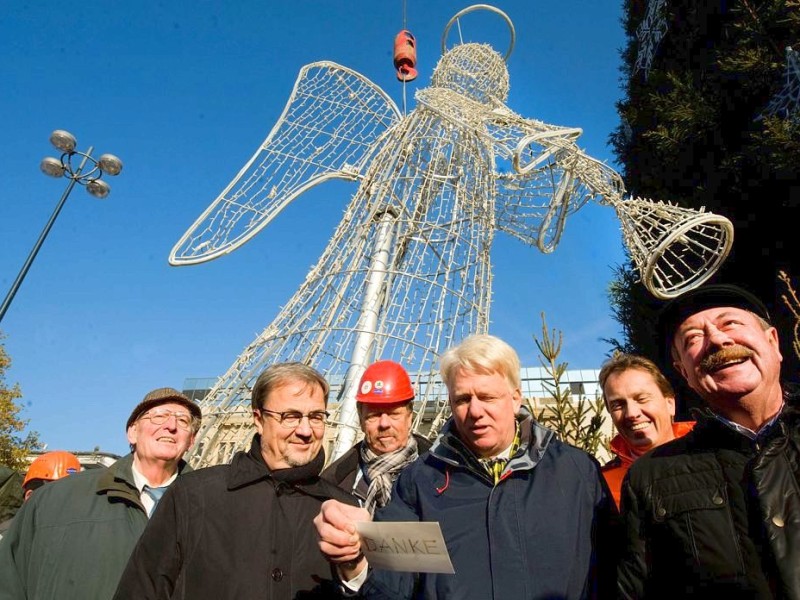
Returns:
(338,539)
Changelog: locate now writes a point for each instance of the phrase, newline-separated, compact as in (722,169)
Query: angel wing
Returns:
(332,123)
(548,177)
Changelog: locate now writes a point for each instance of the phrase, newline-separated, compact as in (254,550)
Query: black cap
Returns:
(703,298)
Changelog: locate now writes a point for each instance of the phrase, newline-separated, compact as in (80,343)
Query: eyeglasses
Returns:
(184,420)
(291,419)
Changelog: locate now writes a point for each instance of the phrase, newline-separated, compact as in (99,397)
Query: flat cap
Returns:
(160,396)
(703,298)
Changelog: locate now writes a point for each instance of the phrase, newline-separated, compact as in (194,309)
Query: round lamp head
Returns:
(98,188)
(110,164)
(52,167)
(63,140)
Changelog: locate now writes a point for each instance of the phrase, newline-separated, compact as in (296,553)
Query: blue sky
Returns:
(183,92)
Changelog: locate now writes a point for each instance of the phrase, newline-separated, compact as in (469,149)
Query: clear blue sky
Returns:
(183,92)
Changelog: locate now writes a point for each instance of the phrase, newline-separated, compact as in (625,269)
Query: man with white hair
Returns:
(523,515)
(71,540)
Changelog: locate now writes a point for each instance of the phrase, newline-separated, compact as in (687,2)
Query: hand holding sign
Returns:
(416,547)
(339,540)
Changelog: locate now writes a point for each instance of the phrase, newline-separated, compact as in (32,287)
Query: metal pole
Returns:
(35,250)
(367,325)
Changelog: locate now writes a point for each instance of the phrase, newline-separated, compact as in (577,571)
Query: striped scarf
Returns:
(382,470)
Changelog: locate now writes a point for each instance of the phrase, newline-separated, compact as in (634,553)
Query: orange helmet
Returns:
(384,382)
(51,466)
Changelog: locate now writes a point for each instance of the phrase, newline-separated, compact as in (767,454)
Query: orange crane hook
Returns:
(405,55)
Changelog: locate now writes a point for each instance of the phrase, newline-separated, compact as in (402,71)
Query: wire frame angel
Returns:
(407,272)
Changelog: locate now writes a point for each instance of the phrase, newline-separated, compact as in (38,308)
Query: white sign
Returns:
(416,547)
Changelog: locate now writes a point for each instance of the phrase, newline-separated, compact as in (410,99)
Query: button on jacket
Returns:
(716,514)
(236,532)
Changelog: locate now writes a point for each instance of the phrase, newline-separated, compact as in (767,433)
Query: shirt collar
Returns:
(140,480)
(745,431)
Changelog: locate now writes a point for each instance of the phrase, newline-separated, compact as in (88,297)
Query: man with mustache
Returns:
(385,410)
(716,513)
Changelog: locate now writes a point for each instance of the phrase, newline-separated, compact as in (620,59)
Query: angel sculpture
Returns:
(407,272)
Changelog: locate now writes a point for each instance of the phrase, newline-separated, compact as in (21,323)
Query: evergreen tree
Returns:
(578,422)
(697,130)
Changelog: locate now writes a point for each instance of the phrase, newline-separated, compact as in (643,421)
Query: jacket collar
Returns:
(249,467)
(788,417)
(119,477)
(620,446)
(534,440)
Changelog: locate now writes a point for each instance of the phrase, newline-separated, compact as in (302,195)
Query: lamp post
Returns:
(64,167)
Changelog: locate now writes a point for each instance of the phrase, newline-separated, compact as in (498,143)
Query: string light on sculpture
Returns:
(407,272)
(786,103)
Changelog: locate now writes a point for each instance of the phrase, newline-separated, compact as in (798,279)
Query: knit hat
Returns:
(160,396)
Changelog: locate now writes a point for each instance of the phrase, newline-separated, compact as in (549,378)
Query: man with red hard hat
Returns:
(385,409)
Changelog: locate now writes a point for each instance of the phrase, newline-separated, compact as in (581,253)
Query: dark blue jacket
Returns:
(535,534)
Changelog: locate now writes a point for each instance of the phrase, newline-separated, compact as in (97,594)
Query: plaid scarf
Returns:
(382,470)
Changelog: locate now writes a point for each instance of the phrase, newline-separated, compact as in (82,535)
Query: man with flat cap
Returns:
(716,513)
(385,410)
(72,539)
(245,530)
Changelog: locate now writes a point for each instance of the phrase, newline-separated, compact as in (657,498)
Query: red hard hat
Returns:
(52,465)
(384,382)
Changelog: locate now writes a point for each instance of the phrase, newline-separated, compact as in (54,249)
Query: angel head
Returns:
(476,71)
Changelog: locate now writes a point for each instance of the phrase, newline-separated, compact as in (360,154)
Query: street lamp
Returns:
(64,167)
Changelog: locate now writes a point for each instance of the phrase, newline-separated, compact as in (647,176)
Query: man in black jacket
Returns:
(385,410)
(244,530)
(717,512)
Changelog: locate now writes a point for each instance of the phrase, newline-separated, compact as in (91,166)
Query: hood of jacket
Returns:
(534,439)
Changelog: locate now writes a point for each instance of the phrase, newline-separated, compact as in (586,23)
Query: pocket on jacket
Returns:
(699,526)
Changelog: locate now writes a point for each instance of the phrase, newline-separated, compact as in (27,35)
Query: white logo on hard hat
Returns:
(366,387)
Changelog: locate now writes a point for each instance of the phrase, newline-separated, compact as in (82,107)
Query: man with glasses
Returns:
(385,410)
(72,539)
(244,530)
